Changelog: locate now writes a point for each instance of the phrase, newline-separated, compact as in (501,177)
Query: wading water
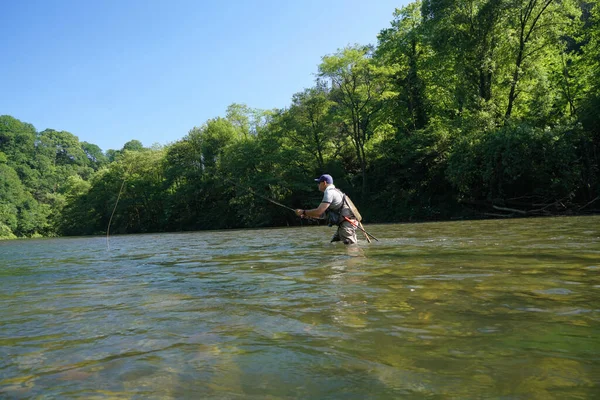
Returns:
(470,309)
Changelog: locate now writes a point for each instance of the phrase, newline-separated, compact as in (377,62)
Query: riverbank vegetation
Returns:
(463,109)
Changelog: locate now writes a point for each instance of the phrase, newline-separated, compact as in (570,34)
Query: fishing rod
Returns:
(367,234)
(274,202)
(267,198)
(359,225)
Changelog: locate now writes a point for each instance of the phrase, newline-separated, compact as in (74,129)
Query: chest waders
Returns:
(335,217)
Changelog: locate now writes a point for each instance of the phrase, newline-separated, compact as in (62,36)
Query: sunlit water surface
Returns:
(487,309)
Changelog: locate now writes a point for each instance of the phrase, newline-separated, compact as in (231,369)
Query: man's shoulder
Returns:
(334,191)
(328,194)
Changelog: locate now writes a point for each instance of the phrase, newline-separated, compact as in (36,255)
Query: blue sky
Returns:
(111,71)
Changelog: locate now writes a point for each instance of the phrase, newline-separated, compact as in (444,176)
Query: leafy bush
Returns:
(517,161)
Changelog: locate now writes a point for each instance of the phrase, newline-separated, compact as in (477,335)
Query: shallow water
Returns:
(487,309)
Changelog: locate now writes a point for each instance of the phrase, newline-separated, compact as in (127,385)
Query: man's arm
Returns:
(315,212)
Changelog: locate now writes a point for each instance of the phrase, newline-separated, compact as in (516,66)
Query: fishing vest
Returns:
(335,216)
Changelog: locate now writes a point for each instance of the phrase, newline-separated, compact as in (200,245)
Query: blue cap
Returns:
(325,178)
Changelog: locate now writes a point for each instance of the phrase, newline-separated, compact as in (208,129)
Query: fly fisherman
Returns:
(338,210)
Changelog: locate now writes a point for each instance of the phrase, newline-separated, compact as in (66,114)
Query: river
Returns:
(506,309)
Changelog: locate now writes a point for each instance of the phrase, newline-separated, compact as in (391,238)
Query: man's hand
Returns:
(300,213)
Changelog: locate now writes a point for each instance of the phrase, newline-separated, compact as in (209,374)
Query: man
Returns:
(337,211)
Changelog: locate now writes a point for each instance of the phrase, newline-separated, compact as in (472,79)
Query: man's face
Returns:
(322,186)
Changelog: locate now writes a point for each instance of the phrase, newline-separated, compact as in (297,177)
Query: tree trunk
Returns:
(513,86)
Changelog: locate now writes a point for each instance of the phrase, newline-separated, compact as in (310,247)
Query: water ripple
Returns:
(469,309)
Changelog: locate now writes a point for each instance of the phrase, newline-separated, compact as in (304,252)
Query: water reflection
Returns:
(350,306)
(501,309)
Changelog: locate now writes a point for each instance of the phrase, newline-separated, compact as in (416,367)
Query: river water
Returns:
(506,309)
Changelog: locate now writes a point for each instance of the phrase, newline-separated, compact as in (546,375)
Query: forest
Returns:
(462,109)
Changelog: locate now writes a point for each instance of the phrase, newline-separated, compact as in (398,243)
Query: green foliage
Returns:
(16,139)
(96,158)
(19,211)
(587,68)
(358,86)
(33,218)
(36,169)
(62,148)
(6,232)
(216,135)
(402,47)
(517,164)
(536,30)
(133,145)
(12,196)
(308,124)
(417,189)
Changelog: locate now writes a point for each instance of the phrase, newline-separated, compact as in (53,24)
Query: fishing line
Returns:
(113,212)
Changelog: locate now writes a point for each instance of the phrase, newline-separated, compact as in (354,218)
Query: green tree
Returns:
(537,28)
(12,195)
(239,116)
(216,135)
(466,36)
(402,47)
(143,198)
(95,156)
(17,139)
(17,142)
(133,145)
(587,98)
(62,147)
(358,86)
(20,213)
(308,123)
